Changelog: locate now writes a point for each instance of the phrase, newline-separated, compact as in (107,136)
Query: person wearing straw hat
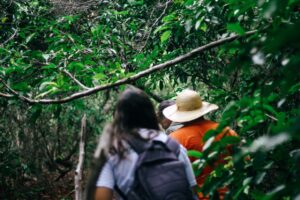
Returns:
(167,125)
(190,110)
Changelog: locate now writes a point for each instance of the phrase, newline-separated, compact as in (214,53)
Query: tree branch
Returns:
(75,80)
(137,76)
(28,100)
(73,77)
(6,95)
(10,38)
(79,169)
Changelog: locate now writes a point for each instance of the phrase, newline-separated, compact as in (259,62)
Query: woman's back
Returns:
(135,118)
(121,172)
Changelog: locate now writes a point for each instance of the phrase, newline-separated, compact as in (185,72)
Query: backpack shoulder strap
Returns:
(120,192)
(173,146)
(138,145)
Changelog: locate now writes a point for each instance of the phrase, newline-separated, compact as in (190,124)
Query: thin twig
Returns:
(137,76)
(271,117)
(75,80)
(154,24)
(6,95)
(10,38)
(28,100)
(73,77)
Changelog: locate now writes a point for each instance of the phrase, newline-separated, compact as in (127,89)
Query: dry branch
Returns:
(16,94)
(75,80)
(6,95)
(79,168)
(10,38)
(139,75)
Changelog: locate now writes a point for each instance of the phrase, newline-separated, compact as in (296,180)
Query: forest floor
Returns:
(62,189)
(47,187)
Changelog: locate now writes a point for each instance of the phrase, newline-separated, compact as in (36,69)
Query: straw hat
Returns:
(188,107)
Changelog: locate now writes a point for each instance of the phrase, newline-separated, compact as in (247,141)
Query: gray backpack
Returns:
(159,175)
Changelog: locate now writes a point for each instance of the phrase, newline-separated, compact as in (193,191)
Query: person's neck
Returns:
(200,119)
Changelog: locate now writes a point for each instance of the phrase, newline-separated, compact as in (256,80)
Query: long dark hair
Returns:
(133,110)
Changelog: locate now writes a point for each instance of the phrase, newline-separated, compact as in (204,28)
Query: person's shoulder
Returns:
(183,134)
(161,136)
(194,127)
(209,123)
(178,132)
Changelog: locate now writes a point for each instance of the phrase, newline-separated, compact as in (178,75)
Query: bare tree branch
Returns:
(73,77)
(75,80)
(10,38)
(137,76)
(79,168)
(272,117)
(6,95)
(15,92)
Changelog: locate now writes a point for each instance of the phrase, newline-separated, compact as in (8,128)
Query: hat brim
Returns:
(173,114)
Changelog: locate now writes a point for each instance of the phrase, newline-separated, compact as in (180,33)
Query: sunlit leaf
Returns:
(236,27)
(165,36)
(195,154)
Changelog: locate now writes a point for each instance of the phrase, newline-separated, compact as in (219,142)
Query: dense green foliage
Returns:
(45,53)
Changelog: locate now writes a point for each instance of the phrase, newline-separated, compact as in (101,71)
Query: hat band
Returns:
(188,108)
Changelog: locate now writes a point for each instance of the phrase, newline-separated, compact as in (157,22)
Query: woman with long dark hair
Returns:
(135,126)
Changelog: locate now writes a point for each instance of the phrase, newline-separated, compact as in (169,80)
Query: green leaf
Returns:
(294,88)
(195,154)
(161,28)
(189,2)
(270,109)
(75,66)
(47,85)
(237,28)
(203,27)
(165,36)
(99,76)
(227,140)
(125,12)
(49,66)
(29,37)
(51,91)
(169,18)
(291,2)
(97,29)
(21,86)
(209,134)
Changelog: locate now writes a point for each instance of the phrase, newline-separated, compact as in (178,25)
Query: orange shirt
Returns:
(191,137)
